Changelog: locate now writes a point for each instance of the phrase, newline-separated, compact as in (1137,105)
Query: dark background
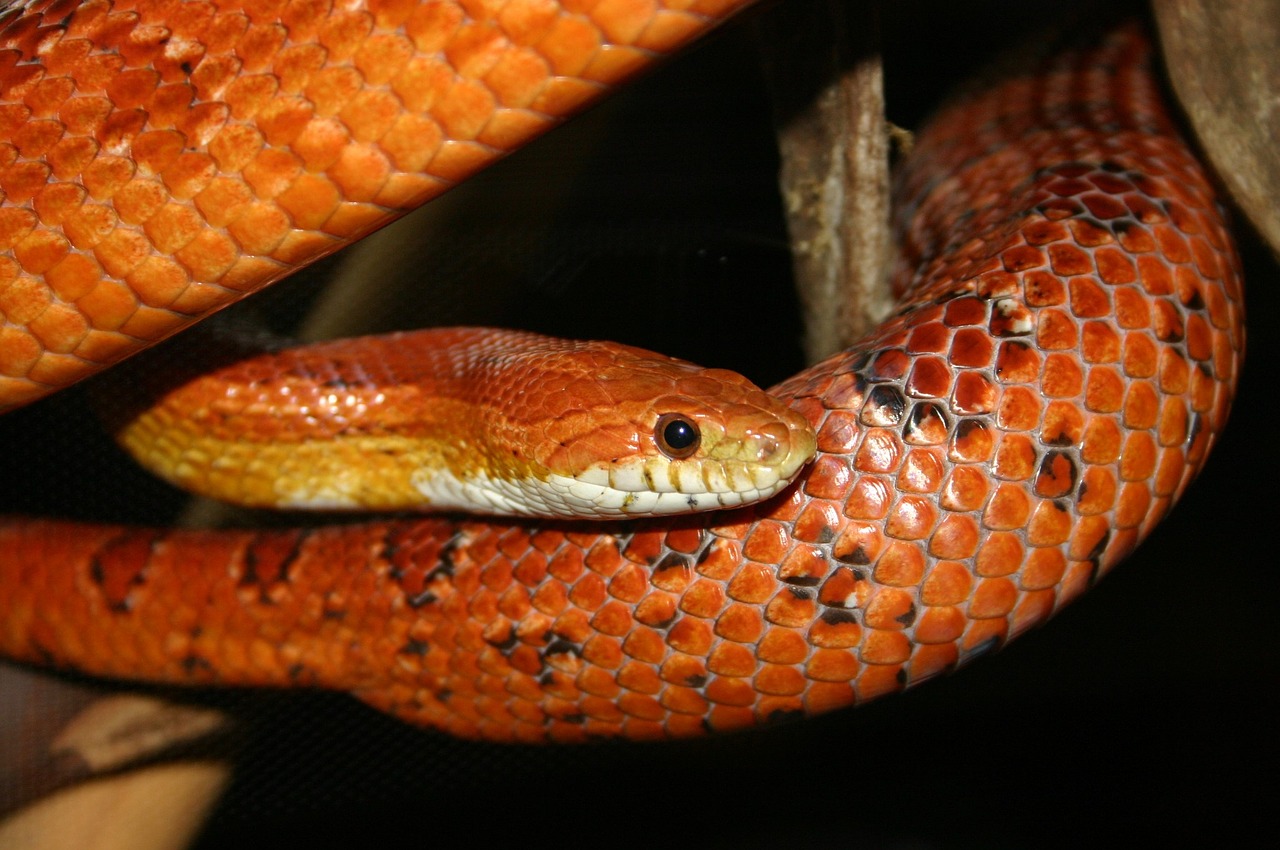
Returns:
(1144,713)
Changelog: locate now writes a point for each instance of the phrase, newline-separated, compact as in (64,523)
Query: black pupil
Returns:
(679,434)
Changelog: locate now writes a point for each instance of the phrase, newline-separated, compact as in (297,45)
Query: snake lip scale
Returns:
(1064,357)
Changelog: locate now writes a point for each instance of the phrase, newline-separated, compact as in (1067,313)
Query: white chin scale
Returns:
(624,491)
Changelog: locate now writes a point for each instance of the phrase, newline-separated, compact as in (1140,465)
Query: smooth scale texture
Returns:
(465,419)
(1065,356)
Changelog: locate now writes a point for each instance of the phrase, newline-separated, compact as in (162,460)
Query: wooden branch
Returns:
(834,142)
(1223,58)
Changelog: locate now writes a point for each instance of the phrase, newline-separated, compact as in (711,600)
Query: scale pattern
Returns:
(1064,358)
(162,159)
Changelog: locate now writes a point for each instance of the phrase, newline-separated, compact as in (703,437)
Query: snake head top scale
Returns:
(473,419)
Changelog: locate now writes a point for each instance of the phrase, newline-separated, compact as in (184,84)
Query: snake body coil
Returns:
(1064,356)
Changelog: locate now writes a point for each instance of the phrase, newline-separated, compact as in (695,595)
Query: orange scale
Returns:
(877,680)
(589,592)
(836,629)
(1171,471)
(704,598)
(1033,609)
(955,538)
(566,565)
(778,680)
(965,489)
(768,542)
(1104,391)
(1019,410)
(684,670)
(1015,458)
(1008,508)
(1100,343)
(819,522)
(890,609)
(642,707)
(1023,257)
(602,709)
(901,565)
(1056,476)
(930,660)
(691,636)
(880,452)
(782,646)
(972,348)
(734,691)
(1050,524)
(1138,459)
(685,701)
(921,472)
(973,442)
(965,311)
(732,659)
(948,583)
(821,696)
(930,377)
(639,678)
(939,625)
(980,633)
(791,607)
(1133,505)
(1055,330)
(645,549)
(928,338)
(885,648)
(844,588)
(973,394)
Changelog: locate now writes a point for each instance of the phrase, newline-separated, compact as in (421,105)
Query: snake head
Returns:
(639,434)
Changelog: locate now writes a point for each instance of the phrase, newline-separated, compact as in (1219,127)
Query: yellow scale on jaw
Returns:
(472,419)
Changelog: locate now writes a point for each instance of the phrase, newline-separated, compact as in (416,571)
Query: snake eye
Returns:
(677,436)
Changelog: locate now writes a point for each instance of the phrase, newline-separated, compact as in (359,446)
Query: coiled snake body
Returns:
(1064,356)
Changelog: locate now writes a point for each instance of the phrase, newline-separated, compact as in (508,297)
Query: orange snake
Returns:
(1065,358)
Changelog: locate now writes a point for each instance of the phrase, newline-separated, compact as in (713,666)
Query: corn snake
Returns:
(882,670)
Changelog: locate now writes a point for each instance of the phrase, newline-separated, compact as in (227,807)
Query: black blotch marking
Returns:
(560,646)
(1111,165)
(192,663)
(426,597)
(783,715)
(922,414)
(1195,301)
(506,644)
(858,556)
(695,681)
(803,581)
(901,676)
(672,561)
(987,646)
(296,671)
(413,646)
(187,67)
(1098,548)
(1047,465)
(337,614)
(577,718)
(967,427)
(800,592)
(888,402)
(706,546)
(839,616)
(908,616)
